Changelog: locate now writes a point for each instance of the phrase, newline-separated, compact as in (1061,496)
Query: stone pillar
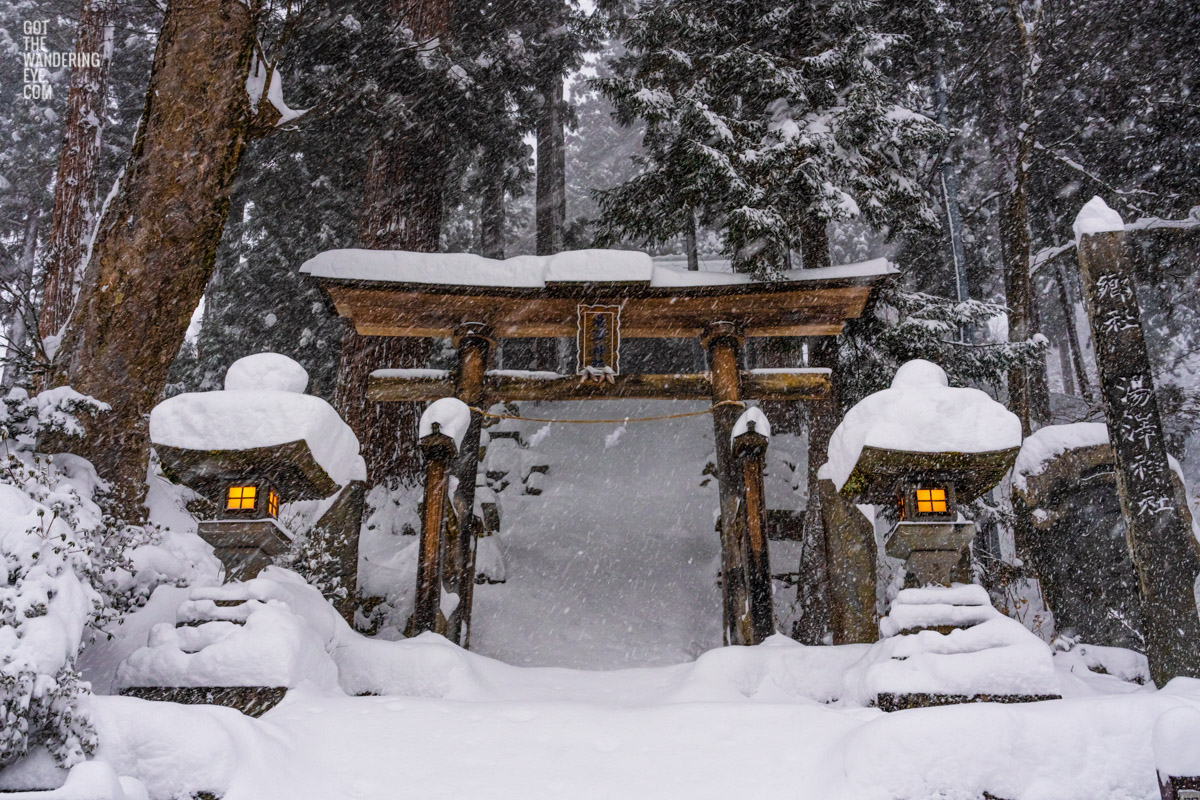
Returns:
(439,451)
(474,343)
(723,340)
(1163,550)
(750,448)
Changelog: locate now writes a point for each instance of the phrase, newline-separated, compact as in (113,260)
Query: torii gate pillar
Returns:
(475,344)
(724,340)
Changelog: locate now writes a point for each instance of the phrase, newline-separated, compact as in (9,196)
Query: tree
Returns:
(154,249)
(766,123)
(75,187)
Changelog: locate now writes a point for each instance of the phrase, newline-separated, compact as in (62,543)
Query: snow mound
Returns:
(245,419)
(451,415)
(921,413)
(91,780)
(1096,217)
(992,655)
(266,371)
(281,632)
(1177,743)
(762,426)
(1048,443)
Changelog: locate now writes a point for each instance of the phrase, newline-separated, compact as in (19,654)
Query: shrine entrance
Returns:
(599,298)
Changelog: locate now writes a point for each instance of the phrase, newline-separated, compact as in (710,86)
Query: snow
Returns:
(1048,443)
(452,417)
(762,426)
(613,568)
(465,269)
(670,731)
(90,780)
(1177,743)
(991,654)
(249,418)
(1096,217)
(921,413)
(281,635)
(270,371)
(535,272)
(412,374)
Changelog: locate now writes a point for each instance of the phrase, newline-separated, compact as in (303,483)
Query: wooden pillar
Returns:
(1160,543)
(474,343)
(750,448)
(439,451)
(723,340)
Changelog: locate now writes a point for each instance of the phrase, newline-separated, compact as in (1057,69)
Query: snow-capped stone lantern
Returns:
(917,451)
(250,449)
(920,450)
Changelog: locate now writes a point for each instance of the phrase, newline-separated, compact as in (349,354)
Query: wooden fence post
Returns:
(1161,545)
(723,340)
(438,450)
(750,448)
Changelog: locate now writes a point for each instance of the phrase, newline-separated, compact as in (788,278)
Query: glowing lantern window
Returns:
(272,503)
(241,497)
(931,501)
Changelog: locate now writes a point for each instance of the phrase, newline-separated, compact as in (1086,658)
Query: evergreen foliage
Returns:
(763,119)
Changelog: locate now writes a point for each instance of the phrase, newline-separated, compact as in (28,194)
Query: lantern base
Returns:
(253,701)
(935,553)
(245,547)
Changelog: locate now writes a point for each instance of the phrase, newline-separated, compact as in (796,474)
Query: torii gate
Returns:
(598,297)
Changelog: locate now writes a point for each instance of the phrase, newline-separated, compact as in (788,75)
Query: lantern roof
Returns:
(921,428)
(263,429)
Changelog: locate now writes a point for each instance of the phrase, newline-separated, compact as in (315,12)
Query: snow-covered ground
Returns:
(615,563)
(612,569)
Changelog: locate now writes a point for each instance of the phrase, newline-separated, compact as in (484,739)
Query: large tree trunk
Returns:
(402,210)
(78,165)
(156,244)
(1027,389)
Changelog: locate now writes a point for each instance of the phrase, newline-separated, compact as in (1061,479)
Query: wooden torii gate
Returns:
(598,298)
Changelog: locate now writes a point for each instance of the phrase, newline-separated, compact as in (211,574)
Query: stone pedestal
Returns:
(933,552)
(245,547)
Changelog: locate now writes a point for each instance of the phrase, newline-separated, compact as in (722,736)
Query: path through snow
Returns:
(615,564)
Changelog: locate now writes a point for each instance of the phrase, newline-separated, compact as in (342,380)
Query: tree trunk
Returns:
(16,332)
(1027,390)
(402,210)
(1073,343)
(812,590)
(491,216)
(155,246)
(78,166)
(1159,534)
(814,243)
(689,242)
(551,186)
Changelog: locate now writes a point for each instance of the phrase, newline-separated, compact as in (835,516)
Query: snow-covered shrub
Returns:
(64,573)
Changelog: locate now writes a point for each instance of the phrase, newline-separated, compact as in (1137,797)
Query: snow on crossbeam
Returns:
(532,272)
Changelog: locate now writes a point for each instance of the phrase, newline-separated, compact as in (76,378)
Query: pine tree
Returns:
(768,122)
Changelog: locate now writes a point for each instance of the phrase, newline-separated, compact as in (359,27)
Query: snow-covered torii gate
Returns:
(598,297)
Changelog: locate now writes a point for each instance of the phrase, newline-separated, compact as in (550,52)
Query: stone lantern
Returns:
(250,449)
(919,451)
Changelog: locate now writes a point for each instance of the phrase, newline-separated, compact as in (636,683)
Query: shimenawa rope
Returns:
(620,421)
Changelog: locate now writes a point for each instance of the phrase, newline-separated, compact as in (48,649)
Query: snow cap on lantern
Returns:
(921,448)
(251,447)
(921,427)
